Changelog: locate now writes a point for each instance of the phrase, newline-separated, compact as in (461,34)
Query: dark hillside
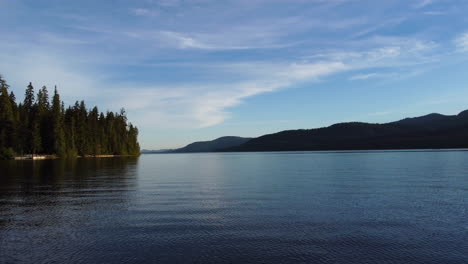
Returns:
(213,145)
(426,132)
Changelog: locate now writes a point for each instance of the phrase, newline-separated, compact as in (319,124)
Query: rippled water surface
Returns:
(393,207)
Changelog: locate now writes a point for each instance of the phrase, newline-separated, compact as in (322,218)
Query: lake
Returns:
(291,207)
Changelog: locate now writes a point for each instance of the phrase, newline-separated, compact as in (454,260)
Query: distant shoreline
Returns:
(325,151)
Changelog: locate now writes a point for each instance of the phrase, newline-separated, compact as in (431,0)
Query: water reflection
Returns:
(56,200)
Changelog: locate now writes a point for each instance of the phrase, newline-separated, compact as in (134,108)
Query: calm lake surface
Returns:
(293,207)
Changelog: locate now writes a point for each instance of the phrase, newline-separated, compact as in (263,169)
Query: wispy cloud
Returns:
(365,76)
(184,42)
(462,42)
(424,3)
(145,12)
(206,41)
(203,105)
(435,13)
(168,3)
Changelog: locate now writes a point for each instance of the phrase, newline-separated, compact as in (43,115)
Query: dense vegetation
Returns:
(434,131)
(42,126)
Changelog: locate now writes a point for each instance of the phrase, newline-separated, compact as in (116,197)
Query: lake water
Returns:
(293,207)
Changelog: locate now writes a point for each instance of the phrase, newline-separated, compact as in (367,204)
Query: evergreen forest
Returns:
(40,125)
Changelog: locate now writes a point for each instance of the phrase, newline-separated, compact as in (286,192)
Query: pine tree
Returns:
(58,133)
(29,97)
(31,131)
(43,99)
(44,116)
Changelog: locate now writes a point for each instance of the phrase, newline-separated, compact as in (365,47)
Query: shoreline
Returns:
(323,151)
(51,157)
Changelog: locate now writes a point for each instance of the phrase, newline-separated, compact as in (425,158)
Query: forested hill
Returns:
(434,131)
(42,126)
(213,145)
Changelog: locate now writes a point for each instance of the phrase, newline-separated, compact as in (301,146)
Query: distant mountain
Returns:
(150,151)
(213,145)
(433,131)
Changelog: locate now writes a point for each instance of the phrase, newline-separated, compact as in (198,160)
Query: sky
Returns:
(191,70)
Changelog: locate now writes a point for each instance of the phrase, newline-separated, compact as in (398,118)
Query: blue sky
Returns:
(188,70)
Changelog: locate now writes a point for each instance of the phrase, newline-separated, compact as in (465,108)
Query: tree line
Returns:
(42,126)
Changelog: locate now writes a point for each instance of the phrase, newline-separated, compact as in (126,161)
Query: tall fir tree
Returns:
(29,97)
(30,128)
(58,133)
